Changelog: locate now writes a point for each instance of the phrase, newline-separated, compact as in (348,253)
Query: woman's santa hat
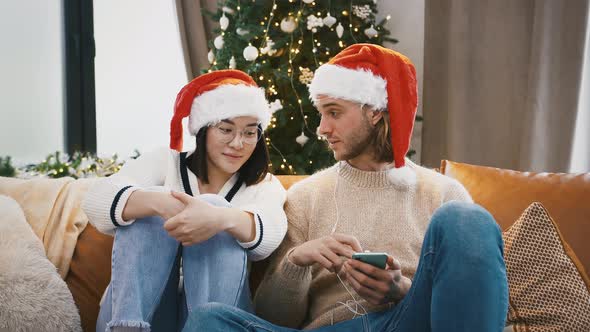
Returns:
(375,76)
(216,96)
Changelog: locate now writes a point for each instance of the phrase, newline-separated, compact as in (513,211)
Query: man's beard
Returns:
(359,141)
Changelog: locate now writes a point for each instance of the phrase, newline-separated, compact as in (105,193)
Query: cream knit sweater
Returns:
(382,216)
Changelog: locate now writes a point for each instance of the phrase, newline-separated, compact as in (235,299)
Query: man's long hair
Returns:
(381,140)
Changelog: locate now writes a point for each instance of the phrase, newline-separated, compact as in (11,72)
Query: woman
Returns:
(186,223)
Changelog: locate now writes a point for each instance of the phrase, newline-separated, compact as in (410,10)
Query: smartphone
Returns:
(377,259)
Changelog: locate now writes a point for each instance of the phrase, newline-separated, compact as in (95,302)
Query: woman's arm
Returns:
(143,203)
(239,224)
(265,202)
(199,220)
(258,221)
(106,200)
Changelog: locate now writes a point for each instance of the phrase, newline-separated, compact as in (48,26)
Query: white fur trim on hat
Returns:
(339,82)
(403,177)
(229,101)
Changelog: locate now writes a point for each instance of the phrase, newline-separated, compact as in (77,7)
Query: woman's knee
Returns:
(215,200)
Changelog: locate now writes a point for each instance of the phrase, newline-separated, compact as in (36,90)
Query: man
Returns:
(445,270)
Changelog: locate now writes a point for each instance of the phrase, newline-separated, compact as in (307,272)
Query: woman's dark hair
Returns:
(253,171)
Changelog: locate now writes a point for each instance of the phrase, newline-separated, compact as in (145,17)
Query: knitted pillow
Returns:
(33,297)
(549,290)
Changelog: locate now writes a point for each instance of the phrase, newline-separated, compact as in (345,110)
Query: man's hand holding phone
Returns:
(377,285)
(327,251)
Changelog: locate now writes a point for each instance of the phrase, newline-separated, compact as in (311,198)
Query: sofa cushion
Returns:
(548,288)
(507,193)
(288,180)
(90,273)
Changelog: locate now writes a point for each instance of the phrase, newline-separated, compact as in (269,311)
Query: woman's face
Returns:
(230,143)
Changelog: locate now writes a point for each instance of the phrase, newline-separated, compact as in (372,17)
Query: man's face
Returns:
(346,126)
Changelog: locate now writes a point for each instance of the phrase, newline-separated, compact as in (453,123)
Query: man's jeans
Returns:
(460,284)
(144,291)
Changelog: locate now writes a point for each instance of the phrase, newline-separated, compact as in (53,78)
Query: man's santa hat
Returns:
(216,96)
(375,76)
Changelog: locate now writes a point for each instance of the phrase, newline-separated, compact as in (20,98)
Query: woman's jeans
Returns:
(460,285)
(144,290)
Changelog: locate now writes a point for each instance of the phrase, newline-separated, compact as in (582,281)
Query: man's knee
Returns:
(463,217)
(466,224)
(205,314)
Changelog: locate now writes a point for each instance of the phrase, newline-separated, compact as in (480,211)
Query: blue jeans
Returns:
(144,290)
(460,285)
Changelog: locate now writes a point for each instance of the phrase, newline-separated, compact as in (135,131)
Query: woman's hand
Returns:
(144,203)
(197,222)
(376,285)
(168,206)
(327,251)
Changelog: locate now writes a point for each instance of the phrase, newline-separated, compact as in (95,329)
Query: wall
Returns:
(139,70)
(407,26)
(32,77)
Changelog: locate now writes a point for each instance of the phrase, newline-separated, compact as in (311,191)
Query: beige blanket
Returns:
(53,208)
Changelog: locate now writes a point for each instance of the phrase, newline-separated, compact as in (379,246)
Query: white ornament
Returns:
(371,32)
(268,48)
(232,63)
(339,30)
(242,32)
(306,76)
(223,22)
(228,10)
(302,139)
(218,42)
(275,105)
(288,24)
(363,12)
(308,1)
(250,53)
(211,56)
(313,22)
(329,20)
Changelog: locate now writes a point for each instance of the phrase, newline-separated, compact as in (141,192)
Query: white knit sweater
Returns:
(383,216)
(165,169)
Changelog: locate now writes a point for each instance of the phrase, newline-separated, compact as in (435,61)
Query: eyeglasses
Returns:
(226,133)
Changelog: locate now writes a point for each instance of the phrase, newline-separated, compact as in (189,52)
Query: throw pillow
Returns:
(549,290)
(33,297)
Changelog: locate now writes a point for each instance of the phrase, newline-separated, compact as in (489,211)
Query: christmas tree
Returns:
(281,43)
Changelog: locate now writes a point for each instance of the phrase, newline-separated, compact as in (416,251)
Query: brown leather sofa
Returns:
(504,193)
